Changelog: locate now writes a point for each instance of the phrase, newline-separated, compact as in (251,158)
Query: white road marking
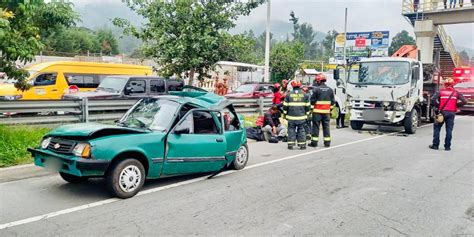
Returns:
(195,180)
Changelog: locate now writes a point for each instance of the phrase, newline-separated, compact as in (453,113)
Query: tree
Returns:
(240,48)
(464,57)
(305,34)
(285,58)
(107,41)
(400,39)
(76,40)
(185,36)
(21,27)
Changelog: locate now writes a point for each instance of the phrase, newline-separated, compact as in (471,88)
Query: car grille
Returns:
(61,146)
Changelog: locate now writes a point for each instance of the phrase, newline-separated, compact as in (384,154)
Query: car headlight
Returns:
(82,150)
(45,142)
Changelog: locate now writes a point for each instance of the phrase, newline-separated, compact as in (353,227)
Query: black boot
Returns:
(327,144)
(290,147)
(433,147)
(313,144)
(303,147)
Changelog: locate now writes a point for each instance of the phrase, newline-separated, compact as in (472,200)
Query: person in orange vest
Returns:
(447,101)
(322,99)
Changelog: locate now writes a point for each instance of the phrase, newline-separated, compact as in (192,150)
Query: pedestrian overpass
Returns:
(428,18)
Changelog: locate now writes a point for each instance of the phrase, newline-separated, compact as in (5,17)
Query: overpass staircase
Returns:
(433,10)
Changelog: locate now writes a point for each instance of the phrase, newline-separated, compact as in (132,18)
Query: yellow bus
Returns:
(51,80)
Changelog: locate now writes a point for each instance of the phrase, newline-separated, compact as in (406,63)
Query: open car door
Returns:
(196,144)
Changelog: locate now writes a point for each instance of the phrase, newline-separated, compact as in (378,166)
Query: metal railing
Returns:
(409,6)
(76,111)
(448,45)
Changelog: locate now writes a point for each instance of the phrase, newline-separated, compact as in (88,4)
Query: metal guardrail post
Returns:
(260,103)
(85,110)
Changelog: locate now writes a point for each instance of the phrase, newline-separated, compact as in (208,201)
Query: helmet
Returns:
(284,82)
(276,85)
(320,78)
(449,82)
(295,83)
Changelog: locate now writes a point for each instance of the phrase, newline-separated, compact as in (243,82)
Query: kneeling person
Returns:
(272,124)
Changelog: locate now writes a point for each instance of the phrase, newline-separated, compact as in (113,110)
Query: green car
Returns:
(176,134)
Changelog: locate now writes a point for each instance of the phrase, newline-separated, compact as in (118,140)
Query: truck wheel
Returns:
(125,178)
(72,178)
(241,158)
(357,125)
(411,122)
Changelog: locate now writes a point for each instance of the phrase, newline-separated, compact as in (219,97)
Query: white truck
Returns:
(388,91)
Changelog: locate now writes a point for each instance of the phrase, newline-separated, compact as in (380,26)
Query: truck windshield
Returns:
(113,84)
(381,73)
(151,114)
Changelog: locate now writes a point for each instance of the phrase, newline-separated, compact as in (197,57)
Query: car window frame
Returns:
(33,80)
(220,125)
(145,92)
(164,86)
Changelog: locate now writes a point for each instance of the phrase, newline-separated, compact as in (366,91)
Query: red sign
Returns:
(73,89)
(360,42)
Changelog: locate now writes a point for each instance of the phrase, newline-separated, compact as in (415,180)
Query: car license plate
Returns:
(52,164)
(373,115)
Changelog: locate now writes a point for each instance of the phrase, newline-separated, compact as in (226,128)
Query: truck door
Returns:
(196,144)
(44,87)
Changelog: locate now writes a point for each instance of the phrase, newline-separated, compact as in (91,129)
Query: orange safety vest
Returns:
(322,107)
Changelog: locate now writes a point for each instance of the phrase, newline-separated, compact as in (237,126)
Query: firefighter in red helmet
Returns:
(296,109)
(322,99)
(447,101)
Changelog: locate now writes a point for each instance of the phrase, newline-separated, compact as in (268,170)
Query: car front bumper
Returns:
(69,164)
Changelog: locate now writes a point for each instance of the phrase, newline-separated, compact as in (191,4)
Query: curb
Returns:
(21,172)
(17,167)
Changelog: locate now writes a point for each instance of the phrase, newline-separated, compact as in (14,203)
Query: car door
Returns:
(44,87)
(196,144)
(233,130)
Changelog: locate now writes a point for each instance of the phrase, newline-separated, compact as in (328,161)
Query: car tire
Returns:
(241,158)
(357,125)
(125,178)
(72,178)
(411,122)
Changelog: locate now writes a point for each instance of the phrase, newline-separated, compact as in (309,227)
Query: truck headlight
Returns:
(400,107)
(45,142)
(82,150)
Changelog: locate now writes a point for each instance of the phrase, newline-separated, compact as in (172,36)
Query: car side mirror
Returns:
(337,77)
(127,91)
(182,131)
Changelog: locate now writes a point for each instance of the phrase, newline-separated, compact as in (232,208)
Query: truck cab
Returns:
(385,91)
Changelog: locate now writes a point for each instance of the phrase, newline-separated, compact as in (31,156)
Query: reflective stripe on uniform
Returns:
(315,139)
(322,107)
(322,111)
(291,143)
(301,143)
(288,117)
(296,104)
(327,139)
(323,102)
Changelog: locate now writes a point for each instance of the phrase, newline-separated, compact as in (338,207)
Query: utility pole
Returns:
(267,45)
(345,37)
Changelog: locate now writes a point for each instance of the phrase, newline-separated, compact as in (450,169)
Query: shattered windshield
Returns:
(151,114)
(381,73)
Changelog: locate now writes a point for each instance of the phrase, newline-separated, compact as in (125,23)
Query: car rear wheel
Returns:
(125,178)
(241,158)
(72,178)
(357,125)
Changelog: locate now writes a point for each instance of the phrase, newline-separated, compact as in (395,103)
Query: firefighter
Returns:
(322,99)
(296,109)
(447,101)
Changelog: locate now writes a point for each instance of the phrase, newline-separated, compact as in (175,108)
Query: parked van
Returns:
(52,80)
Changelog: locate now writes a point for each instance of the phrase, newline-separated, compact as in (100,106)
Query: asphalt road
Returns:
(365,184)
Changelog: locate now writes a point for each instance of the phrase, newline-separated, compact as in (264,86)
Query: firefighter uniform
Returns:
(322,99)
(296,109)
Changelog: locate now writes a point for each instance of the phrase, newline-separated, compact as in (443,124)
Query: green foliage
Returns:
(400,39)
(21,27)
(305,34)
(240,48)
(15,140)
(185,36)
(328,45)
(107,41)
(285,58)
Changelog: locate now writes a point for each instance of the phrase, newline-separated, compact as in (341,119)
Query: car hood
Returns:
(92,130)
(8,89)
(93,94)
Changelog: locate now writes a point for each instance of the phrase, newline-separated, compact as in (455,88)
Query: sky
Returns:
(325,15)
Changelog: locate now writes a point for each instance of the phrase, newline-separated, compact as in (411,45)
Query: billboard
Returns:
(361,44)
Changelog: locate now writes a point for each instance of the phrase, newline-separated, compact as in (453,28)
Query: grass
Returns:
(15,139)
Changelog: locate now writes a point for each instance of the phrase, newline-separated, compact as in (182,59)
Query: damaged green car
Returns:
(177,134)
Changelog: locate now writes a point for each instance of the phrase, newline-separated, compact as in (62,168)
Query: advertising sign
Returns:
(362,44)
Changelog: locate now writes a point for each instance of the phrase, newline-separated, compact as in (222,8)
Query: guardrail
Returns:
(76,111)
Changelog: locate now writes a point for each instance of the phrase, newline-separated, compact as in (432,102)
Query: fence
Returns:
(76,111)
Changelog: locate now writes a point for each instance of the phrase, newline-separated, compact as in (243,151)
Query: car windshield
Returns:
(113,84)
(150,113)
(244,89)
(469,84)
(381,73)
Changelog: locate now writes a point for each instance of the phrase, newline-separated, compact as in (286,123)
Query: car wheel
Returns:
(125,178)
(357,125)
(72,178)
(411,122)
(241,157)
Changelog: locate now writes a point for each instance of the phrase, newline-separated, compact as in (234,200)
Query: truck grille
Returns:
(61,146)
